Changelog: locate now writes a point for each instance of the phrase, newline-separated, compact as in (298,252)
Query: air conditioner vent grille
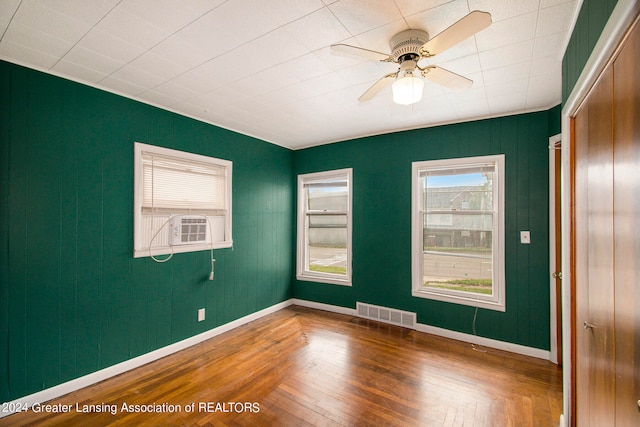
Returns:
(387,315)
(188,229)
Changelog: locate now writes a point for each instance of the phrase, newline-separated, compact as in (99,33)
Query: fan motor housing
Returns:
(407,44)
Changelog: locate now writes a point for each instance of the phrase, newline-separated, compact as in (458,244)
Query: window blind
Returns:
(458,170)
(181,185)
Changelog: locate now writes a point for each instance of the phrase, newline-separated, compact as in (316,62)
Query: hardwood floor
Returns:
(306,367)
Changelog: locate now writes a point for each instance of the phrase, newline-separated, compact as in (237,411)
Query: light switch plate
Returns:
(201,315)
(525,237)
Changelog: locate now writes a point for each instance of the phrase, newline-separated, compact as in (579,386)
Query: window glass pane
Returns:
(327,247)
(458,259)
(457,231)
(328,195)
(459,192)
(324,227)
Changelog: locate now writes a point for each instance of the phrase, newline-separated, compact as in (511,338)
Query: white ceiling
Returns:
(264,68)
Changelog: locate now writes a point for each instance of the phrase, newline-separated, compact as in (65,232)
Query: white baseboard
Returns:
(111,371)
(486,342)
(325,307)
(459,336)
(562,422)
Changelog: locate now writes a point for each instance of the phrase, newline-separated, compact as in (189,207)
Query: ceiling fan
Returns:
(408,48)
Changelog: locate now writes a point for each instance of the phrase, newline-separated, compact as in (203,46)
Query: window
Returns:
(324,227)
(182,202)
(458,231)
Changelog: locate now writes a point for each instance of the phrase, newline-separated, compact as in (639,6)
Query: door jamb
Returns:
(555,353)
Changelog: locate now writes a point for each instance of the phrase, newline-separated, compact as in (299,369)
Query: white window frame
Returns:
(141,246)
(302,269)
(496,301)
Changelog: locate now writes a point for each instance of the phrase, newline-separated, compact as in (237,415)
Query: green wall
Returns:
(382,221)
(591,20)
(555,120)
(73,300)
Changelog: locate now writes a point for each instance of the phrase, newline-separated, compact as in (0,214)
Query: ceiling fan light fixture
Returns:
(412,47)
(407,90)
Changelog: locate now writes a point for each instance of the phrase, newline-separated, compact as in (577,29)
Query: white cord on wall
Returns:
(153,216)
(473,328)
(153,238)
(211,238)
(212,261)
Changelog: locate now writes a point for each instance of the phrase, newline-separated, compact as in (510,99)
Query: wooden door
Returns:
(626,166)
(606,244)
(594,256)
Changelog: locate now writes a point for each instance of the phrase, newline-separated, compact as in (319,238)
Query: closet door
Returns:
(626,172)
(606,244)
(595,372)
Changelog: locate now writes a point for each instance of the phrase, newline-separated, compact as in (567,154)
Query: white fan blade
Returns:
(447,78)
(345,49)
(463,29)
(377,87)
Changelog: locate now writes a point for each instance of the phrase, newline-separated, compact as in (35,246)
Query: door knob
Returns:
(588,325)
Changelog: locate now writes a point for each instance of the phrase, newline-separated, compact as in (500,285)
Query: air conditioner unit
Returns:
(188,230)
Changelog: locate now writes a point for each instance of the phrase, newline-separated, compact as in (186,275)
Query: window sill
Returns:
(459,299)
(323,279)
(177,249)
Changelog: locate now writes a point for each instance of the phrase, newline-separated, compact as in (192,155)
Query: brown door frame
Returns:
(555,248)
